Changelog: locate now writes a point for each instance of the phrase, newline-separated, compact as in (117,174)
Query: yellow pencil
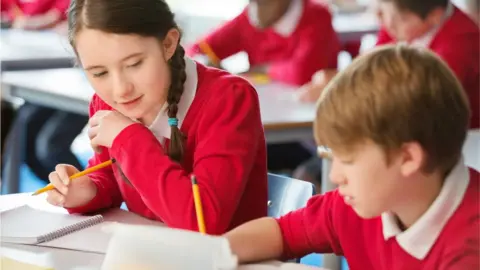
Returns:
(80,174)
(198,205)
(207,50)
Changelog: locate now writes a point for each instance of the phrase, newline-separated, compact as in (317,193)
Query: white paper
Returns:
(148,247)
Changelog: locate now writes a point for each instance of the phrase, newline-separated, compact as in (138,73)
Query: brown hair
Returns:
(149,18)
(393,95)
(420,7)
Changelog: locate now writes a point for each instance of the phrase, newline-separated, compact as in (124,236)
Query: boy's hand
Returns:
(70,193)
(312,91)
(105,126)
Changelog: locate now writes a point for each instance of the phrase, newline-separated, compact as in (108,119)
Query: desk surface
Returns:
(278,107)
(28,49)
(61,259)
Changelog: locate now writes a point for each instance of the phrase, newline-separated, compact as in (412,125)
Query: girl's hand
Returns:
(105,126)
(70,193)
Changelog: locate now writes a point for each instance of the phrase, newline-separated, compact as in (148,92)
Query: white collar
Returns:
(424,40)
(286,24)
(421,236)
(160,127)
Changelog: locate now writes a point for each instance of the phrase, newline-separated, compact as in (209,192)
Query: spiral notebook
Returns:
(27,225)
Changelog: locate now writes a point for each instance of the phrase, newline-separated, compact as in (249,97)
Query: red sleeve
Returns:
(226,40)
(229,129)
(319,46)
(383,37)
(108,193)
(462,61)
(311,229)
(5,5)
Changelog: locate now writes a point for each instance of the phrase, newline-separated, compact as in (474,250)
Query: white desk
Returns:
(21,50)
(352,27)
(284,119)
(61,259)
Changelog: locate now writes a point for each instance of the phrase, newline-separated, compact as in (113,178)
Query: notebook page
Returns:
(92,239)
(96,238)
(26,225)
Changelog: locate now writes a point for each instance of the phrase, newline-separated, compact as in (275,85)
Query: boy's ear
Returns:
(412,158)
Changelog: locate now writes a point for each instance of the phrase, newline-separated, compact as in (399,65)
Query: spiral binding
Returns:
(72,228)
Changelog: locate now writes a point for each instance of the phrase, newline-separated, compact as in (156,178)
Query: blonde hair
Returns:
(393,95)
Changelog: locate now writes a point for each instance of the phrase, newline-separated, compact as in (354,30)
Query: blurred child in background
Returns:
(288,40)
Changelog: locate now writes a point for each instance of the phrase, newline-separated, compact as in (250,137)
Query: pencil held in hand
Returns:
(77,175)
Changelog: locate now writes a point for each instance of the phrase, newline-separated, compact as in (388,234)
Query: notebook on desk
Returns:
(27,225)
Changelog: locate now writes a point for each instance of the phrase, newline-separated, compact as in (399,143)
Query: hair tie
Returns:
(173,122)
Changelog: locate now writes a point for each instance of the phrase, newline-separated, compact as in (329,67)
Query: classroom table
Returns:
(22,50)
(353,26)
(63,259)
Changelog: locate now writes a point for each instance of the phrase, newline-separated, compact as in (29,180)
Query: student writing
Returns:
(163,117)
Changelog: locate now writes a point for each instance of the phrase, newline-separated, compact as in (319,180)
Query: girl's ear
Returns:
(170,43)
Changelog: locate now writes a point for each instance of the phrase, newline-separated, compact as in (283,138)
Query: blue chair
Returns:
(286,194)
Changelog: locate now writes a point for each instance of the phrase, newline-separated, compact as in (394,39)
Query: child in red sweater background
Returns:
(35,14)
(435,24)
(163,118)
(405,199)
(288,40)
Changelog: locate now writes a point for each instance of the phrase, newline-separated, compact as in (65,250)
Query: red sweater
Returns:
(225,150)
(458,43)
(35,7)
(312,46)
(328,225)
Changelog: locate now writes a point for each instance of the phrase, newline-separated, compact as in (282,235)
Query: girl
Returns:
(163,118)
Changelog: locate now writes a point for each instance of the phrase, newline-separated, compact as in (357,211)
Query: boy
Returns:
(287,39)
(434,24)
(395,120)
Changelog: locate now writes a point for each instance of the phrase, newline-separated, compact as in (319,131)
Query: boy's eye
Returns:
(347,161)
(135,64)
(99,74)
